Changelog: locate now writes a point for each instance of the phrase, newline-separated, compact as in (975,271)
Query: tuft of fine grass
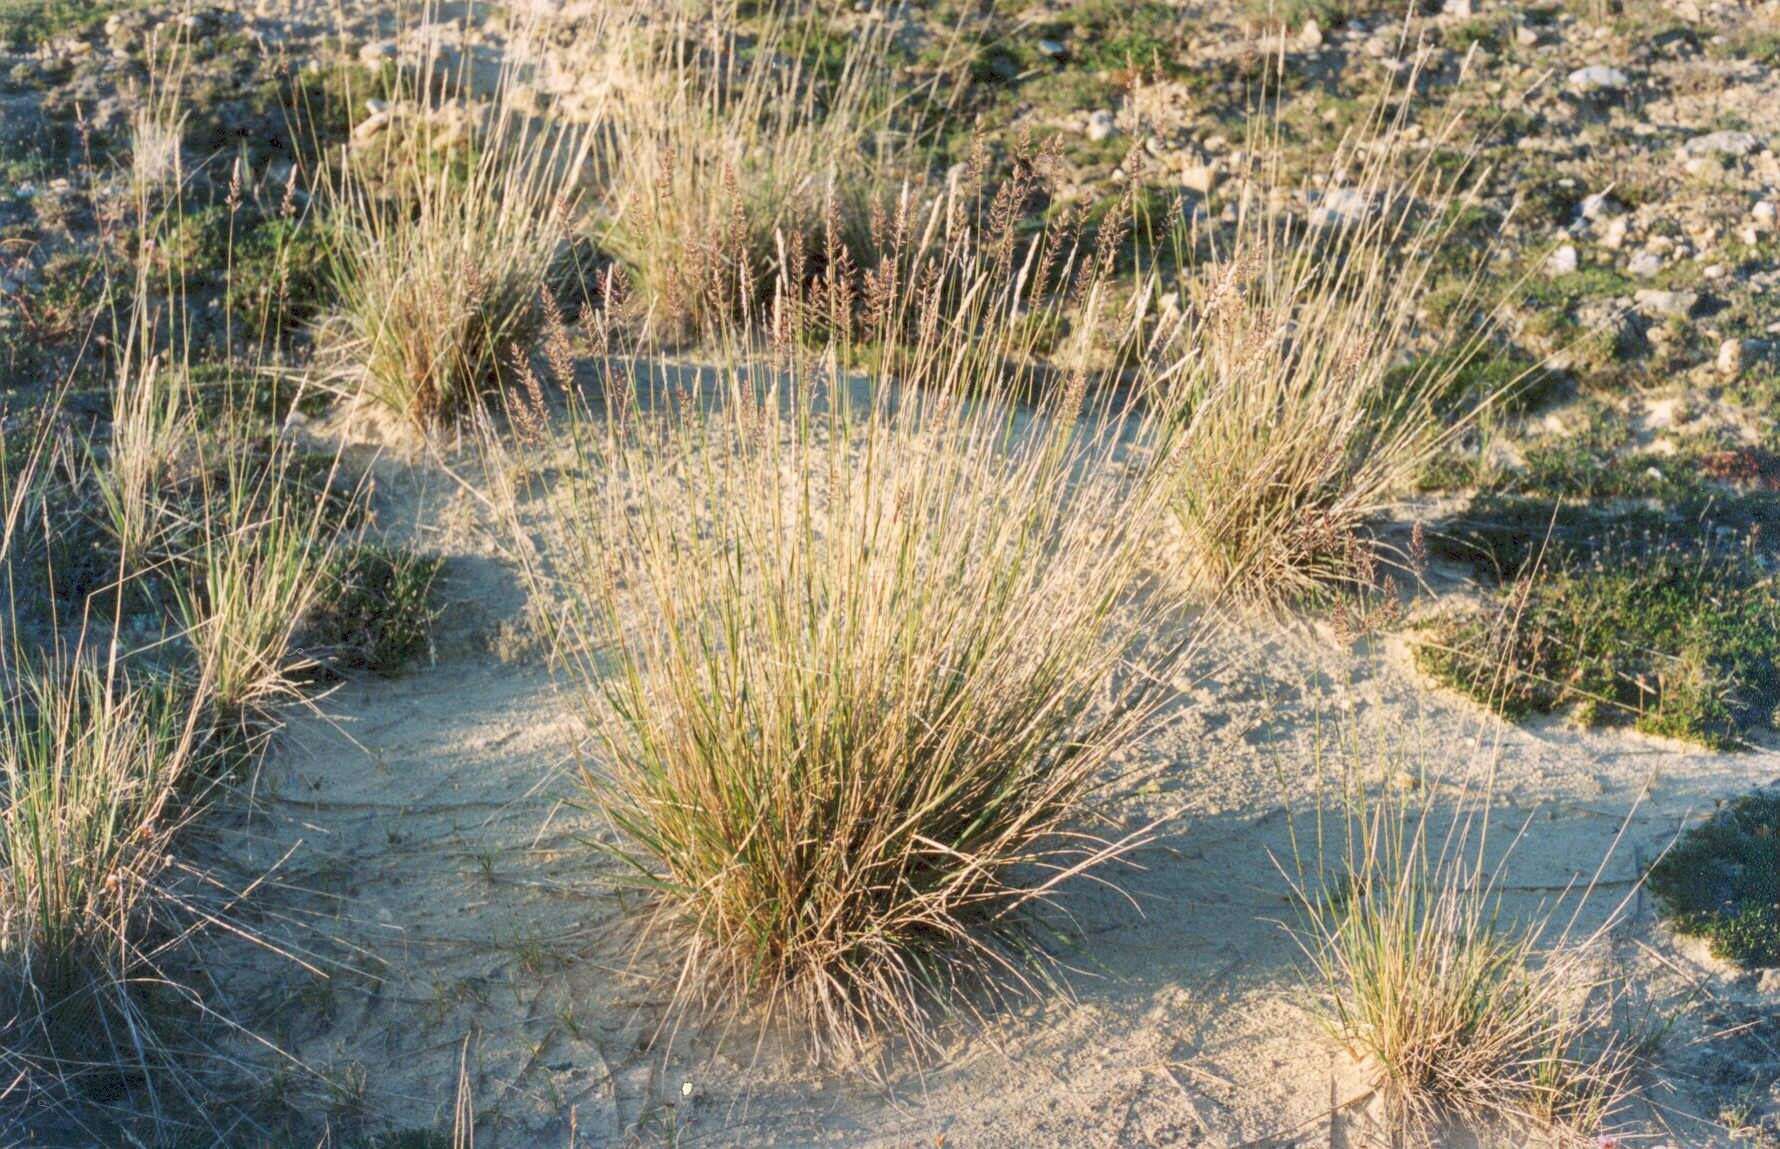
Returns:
(855,651)
(257,565)
(1460,1012)
(445,239)
(1299,422)
(728,152)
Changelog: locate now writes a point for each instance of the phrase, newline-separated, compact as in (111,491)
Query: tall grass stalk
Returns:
(856,651)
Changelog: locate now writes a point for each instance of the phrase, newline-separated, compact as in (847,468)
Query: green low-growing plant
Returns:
(1460,1011)
(377,611)
(1721,881)
(1681,637)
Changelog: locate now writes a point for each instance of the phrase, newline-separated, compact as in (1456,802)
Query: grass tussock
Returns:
(447,231)
(1462,1011)
(255,569)
(1300,423)
(729,153)
(856,651)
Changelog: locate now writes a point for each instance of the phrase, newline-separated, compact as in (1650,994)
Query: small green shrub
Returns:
(1682,641)
(377,613)
(1721,881)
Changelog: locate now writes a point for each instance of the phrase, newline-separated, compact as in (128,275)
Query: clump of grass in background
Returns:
(378,610)
(855,651)
(445,238)
(1460,1012)
(1679,640)
(1299,425)
(727,153)
(1721,881)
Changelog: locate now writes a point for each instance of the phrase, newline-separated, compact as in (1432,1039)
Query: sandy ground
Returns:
(434,878)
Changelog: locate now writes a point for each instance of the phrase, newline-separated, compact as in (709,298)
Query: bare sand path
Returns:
(439,879)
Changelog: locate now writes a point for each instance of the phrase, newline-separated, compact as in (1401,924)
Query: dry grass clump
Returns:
(856,651)
(445,239)
(89,766)
(1460,1012)
(724,149)
(1299,423)
(258,564)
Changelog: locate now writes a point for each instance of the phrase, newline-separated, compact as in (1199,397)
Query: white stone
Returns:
(1599,78)
(1526,36)
(1340,206)
(376,52)
(1051,48)
(1735,144)
(1730,365)
(1311,35)
(1668,304)
(1562,261)
(1644,264)
(1102,125)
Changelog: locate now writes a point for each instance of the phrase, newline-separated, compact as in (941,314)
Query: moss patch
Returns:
(1682,641)
(1721,881)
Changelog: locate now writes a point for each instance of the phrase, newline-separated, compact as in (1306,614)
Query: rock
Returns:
(1769,982)
(370,127)
(1340,206)
(377,51)
(1730,143)
(1311,35)
(1102,125)
(1599,79)
(1613,235)
(1052,49)
(1667,304)
(1644,264)
(1562,261)
(1601,205)
(1730,365)
(1463,9)
(1763,214)
(1526,36)
(1200,178)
